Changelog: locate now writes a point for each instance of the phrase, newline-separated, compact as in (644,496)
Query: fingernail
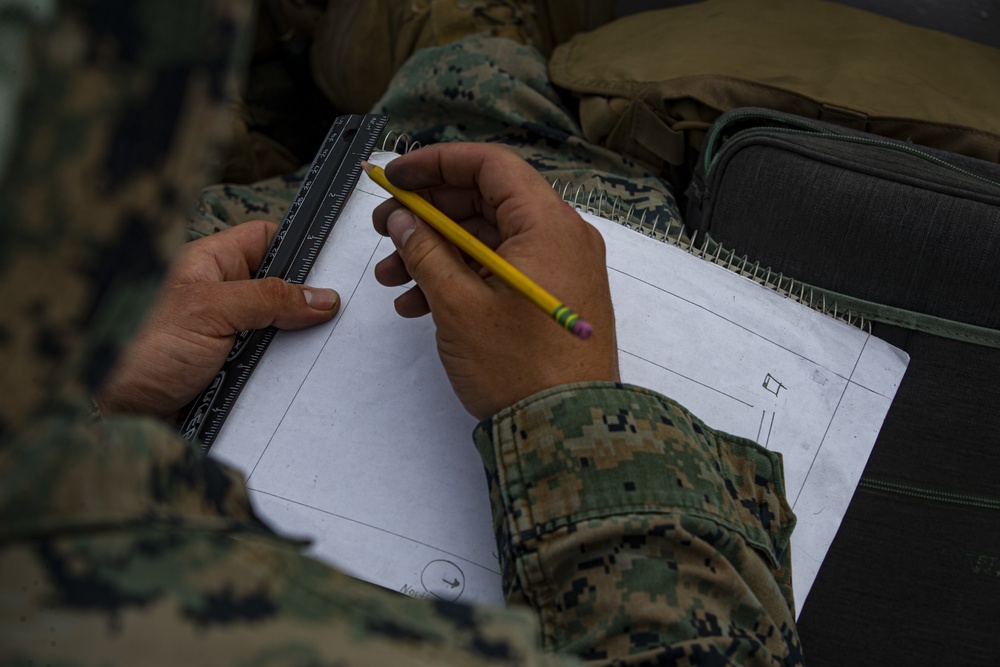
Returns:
(400,225)
(321,299)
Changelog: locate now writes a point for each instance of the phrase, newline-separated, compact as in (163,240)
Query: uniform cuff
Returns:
(589,451)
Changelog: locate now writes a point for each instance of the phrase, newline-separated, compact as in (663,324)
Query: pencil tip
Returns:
(367,166)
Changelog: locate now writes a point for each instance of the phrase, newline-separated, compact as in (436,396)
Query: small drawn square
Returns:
(772,385)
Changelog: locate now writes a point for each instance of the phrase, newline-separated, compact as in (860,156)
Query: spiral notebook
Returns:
(349,434)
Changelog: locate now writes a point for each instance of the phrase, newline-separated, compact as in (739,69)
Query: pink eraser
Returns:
(582,329)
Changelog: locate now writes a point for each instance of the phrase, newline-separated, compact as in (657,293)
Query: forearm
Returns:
(632,528)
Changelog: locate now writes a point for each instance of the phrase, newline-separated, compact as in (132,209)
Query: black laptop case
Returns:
(909,239)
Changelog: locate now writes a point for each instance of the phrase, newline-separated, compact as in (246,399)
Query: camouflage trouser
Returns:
(479,89)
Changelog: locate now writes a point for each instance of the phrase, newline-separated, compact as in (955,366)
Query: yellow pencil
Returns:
(480,252)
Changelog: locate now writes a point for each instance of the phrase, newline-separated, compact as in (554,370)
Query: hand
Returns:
(206,298)
(496,346)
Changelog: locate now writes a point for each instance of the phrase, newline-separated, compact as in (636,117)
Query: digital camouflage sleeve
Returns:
(630,532)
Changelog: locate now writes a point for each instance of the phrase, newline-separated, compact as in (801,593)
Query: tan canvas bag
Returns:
(650,84)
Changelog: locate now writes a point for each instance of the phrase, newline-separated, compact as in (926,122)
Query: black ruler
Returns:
(303,231)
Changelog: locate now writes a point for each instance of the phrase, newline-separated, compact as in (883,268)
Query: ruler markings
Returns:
(304,229)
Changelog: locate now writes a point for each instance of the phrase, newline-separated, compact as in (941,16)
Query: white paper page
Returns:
(742,358)
(320,466)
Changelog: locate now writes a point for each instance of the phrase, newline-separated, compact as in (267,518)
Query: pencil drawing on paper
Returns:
(772,385)
(443,579)
(764,430)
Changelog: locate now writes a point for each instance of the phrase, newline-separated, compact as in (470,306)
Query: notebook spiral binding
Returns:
(598,202)
(397,142)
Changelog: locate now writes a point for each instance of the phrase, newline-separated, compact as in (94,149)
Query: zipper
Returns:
(925,493)
(803,127)
(717,128)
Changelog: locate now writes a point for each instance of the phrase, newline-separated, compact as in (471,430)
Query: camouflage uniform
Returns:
(630,532)
(479,88)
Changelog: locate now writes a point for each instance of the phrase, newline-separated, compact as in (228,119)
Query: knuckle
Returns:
(274,290)
(263,228)
(418,251)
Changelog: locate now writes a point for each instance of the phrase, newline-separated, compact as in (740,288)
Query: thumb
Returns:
(431,260)
(238,305)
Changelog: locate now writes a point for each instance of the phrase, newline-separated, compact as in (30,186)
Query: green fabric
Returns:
(487,89)
(850,309)
(908,319)
(684,66)
(122,544)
